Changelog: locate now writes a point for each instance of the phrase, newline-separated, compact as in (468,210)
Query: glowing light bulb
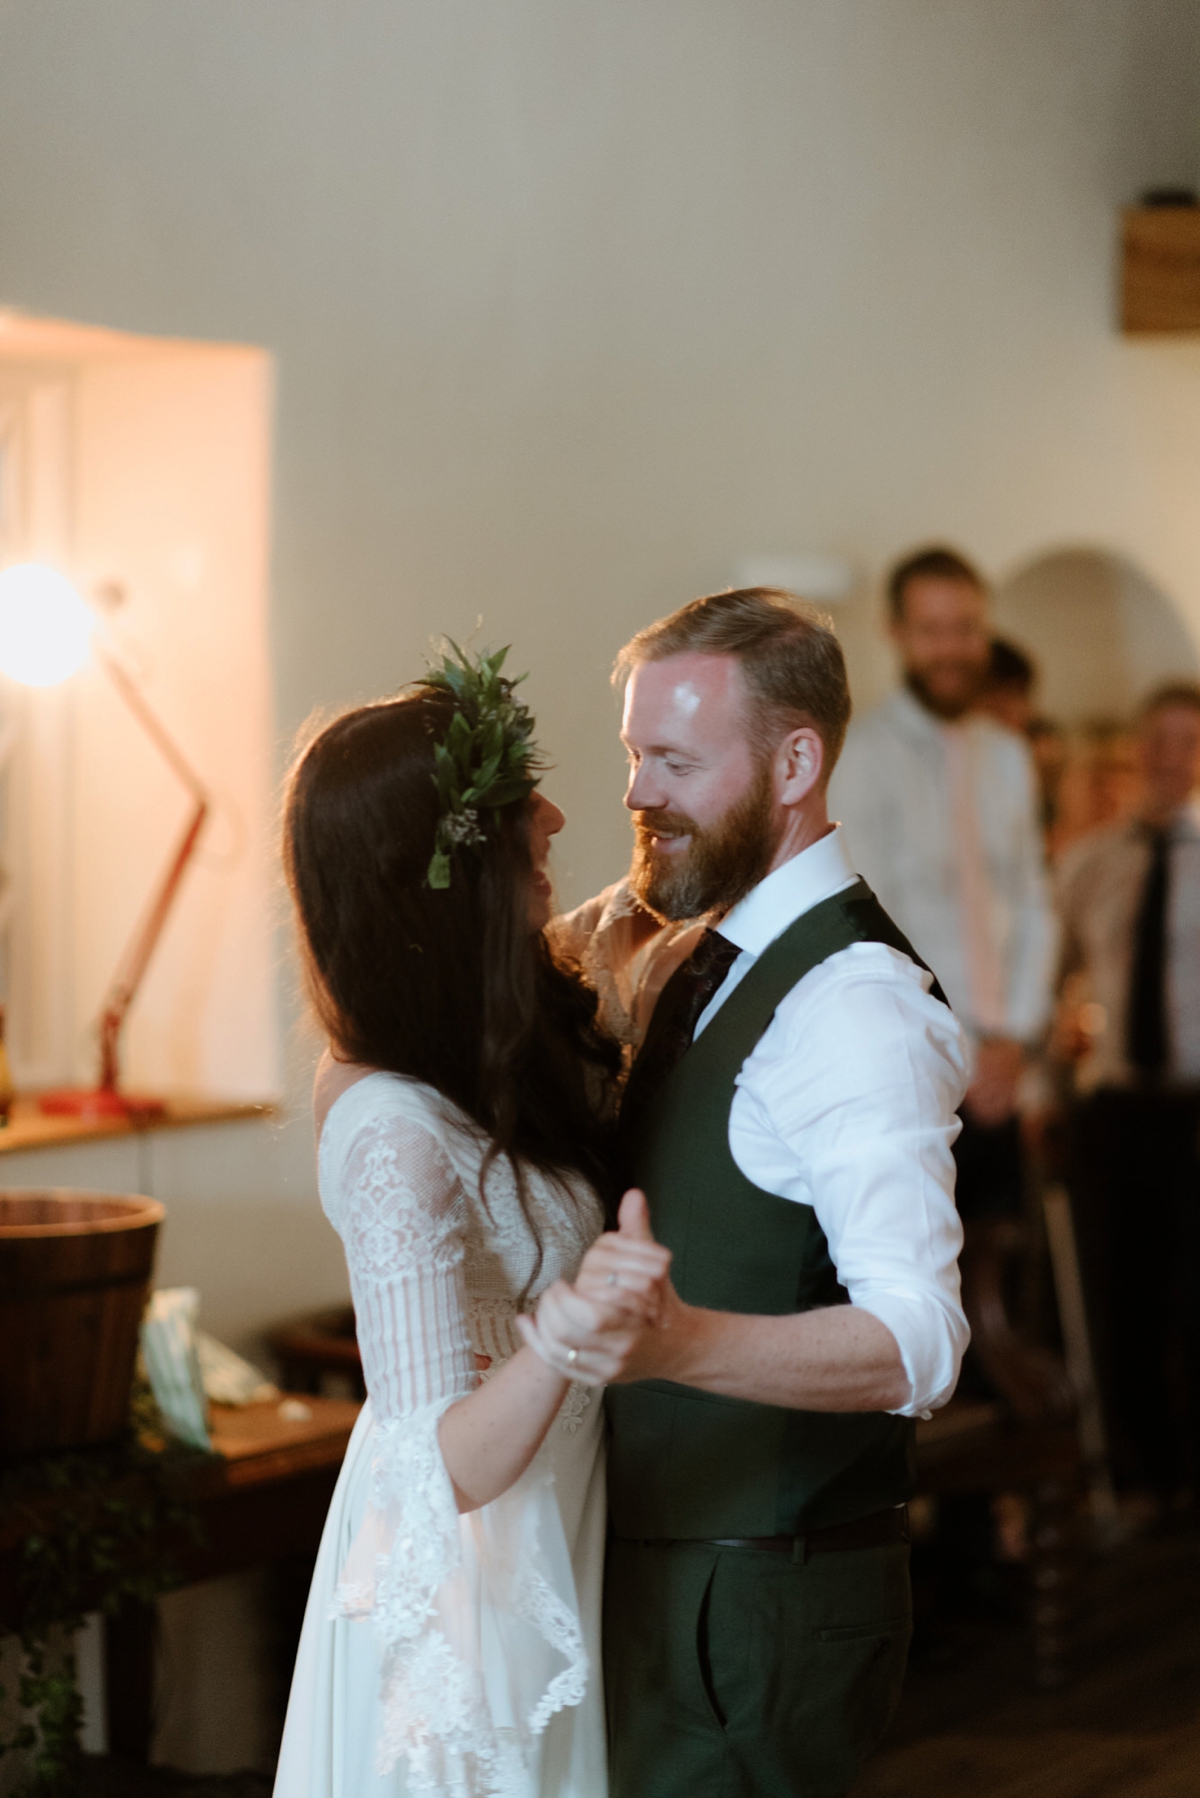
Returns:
(45,628)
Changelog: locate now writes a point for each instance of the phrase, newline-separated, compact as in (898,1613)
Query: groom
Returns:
(789,1117)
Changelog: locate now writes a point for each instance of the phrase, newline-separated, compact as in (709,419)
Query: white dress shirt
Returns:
(847,1104)
(892,789)
(1100,891)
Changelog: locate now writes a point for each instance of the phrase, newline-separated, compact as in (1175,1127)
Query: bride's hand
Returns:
(625,1271)
(590,1330)
(577,1339)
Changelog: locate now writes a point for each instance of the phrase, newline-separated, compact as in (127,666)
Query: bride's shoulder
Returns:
(332,1079)
(346,1096)
(350,1101)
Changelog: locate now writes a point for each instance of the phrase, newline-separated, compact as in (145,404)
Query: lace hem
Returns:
(424,1577)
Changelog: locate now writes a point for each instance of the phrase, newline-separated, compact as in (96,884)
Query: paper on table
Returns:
(172,1359)
(228,1379)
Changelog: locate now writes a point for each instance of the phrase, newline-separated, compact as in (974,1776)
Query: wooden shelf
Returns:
(1160,269)
(30,1129)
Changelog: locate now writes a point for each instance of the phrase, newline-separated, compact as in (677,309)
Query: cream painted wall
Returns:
(576,303)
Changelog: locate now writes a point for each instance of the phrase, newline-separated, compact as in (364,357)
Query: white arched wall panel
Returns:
(1102,631)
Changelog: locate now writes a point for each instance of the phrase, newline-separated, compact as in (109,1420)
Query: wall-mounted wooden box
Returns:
(1160,269)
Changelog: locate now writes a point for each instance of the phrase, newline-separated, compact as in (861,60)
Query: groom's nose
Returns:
(645,790)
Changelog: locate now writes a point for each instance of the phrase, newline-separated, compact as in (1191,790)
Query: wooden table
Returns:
(263,1500)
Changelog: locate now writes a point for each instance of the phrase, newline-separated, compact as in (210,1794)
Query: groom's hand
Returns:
(614,1317)
(625,1271)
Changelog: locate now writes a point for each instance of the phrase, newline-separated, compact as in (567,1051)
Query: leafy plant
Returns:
(487,758)
(99,1528)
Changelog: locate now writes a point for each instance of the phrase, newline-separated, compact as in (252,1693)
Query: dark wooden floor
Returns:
(972,1726)
(104,1778)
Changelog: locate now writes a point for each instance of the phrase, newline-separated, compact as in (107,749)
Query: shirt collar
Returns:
(818,872)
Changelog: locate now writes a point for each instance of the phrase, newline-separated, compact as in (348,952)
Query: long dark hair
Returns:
(449,986)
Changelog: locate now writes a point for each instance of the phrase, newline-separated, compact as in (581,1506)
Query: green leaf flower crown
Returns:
(487,758)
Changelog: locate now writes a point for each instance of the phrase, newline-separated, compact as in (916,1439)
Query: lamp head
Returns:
(45,627)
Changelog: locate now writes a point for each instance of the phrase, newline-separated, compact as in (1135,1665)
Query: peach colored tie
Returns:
(984,973)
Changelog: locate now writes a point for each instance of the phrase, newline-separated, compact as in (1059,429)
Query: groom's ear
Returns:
(634,1216)
(799,764)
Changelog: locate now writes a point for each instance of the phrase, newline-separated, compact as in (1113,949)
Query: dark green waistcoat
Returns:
(684,1463)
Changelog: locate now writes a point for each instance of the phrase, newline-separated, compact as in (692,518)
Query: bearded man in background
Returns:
(941,803)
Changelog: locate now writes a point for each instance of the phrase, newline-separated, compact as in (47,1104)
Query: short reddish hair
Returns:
(791,660)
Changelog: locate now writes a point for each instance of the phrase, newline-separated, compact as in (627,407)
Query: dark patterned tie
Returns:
(673,1025)
(1147,1020)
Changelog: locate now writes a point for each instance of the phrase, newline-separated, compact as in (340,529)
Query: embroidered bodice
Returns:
(438,1268)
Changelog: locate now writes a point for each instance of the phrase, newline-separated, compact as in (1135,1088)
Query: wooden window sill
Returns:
(28,1128)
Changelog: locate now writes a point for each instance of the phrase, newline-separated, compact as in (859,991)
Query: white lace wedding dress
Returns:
(442,1653)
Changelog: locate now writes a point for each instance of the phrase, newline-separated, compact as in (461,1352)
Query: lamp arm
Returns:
(132,966)
(132,695)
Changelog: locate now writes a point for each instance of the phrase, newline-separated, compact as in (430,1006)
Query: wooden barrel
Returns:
(75,1273)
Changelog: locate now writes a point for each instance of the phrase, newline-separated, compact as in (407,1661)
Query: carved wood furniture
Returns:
(320,1343)
(1025,1440)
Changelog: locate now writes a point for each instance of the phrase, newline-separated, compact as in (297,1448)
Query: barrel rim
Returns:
(138,1214)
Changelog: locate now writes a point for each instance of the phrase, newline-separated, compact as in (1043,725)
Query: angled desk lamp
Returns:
(47,633)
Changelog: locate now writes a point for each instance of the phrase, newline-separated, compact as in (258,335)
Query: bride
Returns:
(451,1640)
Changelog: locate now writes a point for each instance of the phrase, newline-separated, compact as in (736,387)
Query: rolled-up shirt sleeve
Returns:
(848,1104)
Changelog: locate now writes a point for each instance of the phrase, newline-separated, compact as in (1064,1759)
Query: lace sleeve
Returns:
(403,1221)
(420,1575)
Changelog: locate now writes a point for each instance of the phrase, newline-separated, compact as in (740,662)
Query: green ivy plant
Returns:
(99,1528)
(487,758)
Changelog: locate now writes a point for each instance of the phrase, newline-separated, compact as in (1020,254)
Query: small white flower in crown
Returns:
(463,828)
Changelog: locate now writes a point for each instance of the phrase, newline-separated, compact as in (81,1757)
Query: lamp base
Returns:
(97,1103)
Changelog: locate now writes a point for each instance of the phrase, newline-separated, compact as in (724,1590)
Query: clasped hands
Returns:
(608,1326)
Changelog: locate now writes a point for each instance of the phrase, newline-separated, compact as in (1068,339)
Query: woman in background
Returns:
(451,1641)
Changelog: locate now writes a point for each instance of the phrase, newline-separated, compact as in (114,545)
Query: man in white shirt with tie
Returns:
(1130,901)
(941,805)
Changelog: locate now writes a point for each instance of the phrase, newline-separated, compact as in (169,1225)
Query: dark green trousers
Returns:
(742,1673)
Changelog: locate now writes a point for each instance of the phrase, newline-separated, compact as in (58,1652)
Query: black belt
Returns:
(875,1531)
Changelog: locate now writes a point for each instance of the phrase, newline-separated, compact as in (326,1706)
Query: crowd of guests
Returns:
(1053,883)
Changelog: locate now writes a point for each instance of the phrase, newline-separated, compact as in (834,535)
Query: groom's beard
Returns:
(719,866)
